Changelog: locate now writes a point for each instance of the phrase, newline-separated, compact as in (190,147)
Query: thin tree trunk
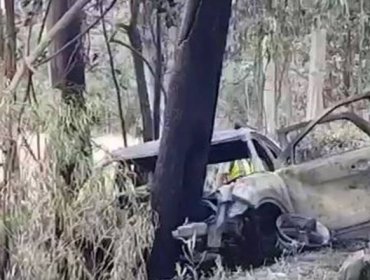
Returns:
(315,103)
(269,99)
(286,101)
(136,42)
(158,74)
(259,79)
(149,51)
(10,46)
(188,124)
(347,69)
(11,165)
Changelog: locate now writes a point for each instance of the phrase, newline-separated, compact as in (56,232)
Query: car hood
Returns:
(260,188)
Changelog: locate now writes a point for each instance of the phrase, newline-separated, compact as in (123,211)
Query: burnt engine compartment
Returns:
(249,240)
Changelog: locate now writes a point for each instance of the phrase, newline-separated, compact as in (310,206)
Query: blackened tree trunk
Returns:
(67,71)
(72,142)
(188,125)
(135,41)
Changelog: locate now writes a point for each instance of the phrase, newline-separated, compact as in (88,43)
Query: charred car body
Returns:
(246,217)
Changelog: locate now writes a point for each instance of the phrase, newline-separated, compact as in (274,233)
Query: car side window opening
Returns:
(238,151)
(264,156)
(214,171)
(327,139)
(273,152)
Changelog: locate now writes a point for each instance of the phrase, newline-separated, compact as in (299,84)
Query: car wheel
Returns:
(242,246)
(267,215)
(255,244)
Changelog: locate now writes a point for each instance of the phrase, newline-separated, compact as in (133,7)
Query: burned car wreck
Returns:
(287,202)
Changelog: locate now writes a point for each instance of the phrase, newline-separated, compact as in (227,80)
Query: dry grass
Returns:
(35,253)
(322,265)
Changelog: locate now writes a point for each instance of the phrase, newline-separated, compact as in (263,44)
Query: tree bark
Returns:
(73,150)
(10,151)
(347,69)
(188,125)
(158,73)
(158,55)
(269,100)
(10,46)
(135,40)
(67,71)
(148,43)
(315,103)
(142,89)
(259,78)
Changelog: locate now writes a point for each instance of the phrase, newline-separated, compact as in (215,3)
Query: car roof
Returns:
(225,146)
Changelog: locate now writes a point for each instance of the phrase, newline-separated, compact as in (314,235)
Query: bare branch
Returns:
(44,21)
(116,85)
(137,53)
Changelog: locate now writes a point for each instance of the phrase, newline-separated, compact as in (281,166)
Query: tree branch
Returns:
(116,85)
(137,53)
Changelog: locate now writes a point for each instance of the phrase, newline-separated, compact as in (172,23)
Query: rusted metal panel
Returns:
(335,190)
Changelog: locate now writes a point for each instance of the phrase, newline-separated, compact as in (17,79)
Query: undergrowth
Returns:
(56,233)
(35,251)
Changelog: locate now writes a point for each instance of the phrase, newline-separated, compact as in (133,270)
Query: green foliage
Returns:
(286,26)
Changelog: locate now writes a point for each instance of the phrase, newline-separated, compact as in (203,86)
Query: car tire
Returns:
(267,215)
(243,249)
(256,243)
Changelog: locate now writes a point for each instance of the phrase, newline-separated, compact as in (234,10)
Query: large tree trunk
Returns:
(67,72)
(72,142)
(188,124)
